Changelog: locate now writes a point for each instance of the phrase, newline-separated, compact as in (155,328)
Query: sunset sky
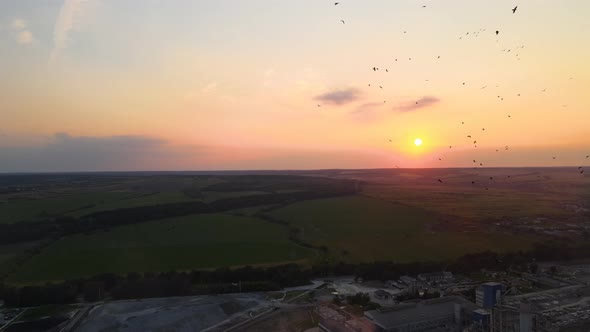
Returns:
(99,85)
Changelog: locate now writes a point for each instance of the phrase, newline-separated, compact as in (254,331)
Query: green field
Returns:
(193,242)
(36,209)
(364,229)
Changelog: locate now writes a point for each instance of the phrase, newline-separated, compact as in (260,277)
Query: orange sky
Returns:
(209,85)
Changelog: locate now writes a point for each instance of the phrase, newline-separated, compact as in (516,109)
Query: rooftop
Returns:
(407,313)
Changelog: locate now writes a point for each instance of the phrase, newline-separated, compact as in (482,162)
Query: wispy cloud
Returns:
(367,112)
(22,35)
(69,16)
(24,38)
(415,105)
(18,24)
(340,97)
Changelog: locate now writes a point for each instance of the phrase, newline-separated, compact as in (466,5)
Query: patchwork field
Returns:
(192,242)
(137,222)
(364,229)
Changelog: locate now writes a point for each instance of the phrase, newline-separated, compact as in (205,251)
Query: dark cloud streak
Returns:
(415,105)
(340,97)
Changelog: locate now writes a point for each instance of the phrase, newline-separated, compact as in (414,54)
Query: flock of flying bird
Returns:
(580,169)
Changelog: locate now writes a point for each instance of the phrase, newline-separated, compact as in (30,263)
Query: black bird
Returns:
(514,9)
(554,157)
(480,164)
(423,6)
(587,157)
(497,32)
(390,140)
(438,57)
(474,161)
(508,175)
(474,142)
(580,167)
(469,136)
(463,83)
(472,182)
(450,146)
(497,150)
(375,68)
(409,58)
(386,70)
(509,115)
(491,177)
(336,3)
(380,87)
(439,180)
(483,129)
(342,21)
(319,105)
(439,159)
(462,122)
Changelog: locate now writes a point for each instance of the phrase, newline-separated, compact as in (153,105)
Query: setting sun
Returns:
(418,141)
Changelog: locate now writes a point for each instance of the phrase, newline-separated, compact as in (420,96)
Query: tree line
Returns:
(254,279)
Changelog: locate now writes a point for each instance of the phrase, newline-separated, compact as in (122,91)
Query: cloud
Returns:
(368,112)
(339,97)
(70,14)
(67,153)
(24,38)
(18,24)
(415,105)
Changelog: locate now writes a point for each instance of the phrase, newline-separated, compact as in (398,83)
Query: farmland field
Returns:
(192,242)
(360,229)
(135,222)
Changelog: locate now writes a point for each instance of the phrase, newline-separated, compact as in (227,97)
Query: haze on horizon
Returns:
(99,85)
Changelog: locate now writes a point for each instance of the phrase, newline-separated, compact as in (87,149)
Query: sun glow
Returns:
(418,141)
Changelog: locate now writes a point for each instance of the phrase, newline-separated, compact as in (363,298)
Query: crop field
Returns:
(192,242)
(95,223)
(364,229)
(31,209)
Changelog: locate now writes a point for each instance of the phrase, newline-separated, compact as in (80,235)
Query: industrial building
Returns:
(436,277)
(448,313)
(488,295)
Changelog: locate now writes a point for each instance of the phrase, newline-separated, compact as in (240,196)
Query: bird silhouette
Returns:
(375,68)
(439,180)
(554,157)
(514,9)
(342,21)
(469,136)
(336,3)
(497,32)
